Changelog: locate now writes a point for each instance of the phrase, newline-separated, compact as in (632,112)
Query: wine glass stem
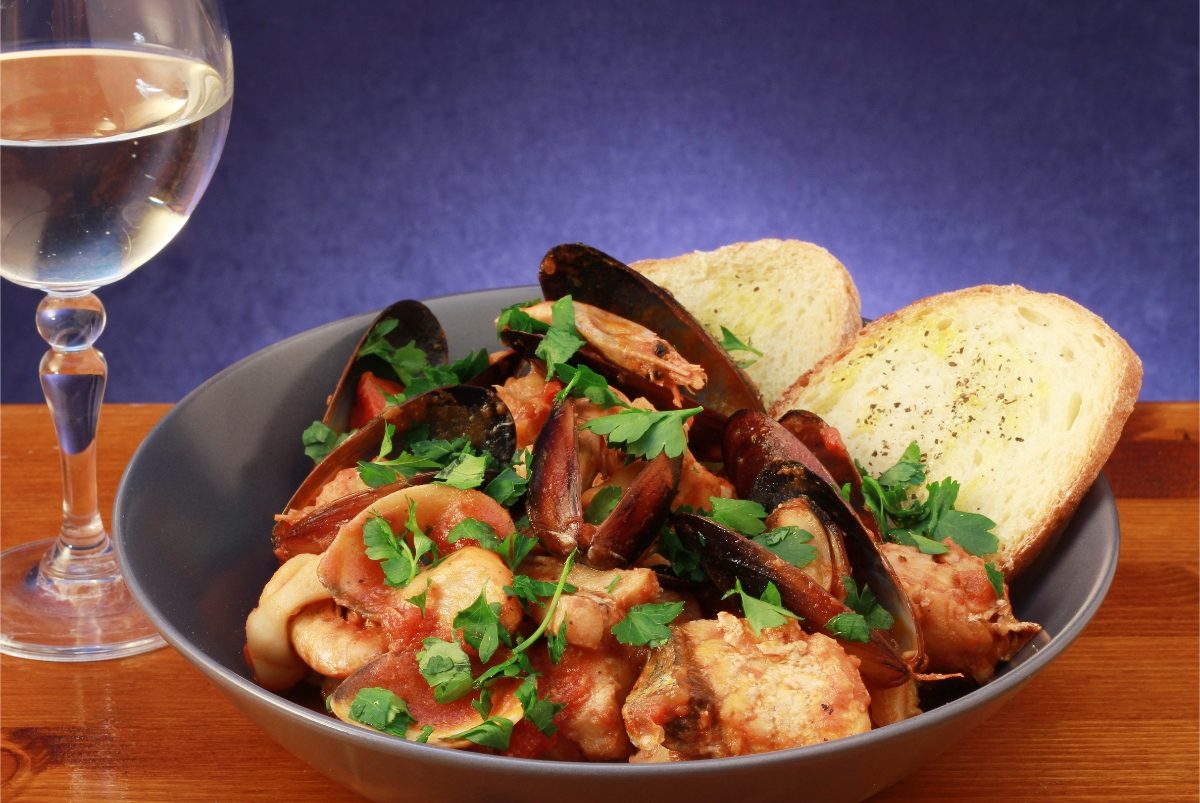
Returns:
(73,376)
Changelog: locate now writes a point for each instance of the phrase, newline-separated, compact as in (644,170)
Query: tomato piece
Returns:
(371,398)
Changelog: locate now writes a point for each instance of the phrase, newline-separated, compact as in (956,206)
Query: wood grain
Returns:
(1114,718)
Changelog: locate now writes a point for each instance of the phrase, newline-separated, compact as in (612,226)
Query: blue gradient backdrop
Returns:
(384,149)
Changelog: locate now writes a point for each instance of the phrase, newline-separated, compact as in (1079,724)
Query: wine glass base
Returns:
(85,617)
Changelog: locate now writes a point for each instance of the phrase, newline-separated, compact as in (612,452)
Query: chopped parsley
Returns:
(731,342)
(790,543)
(509,485)
(465,471)
(481,626)
(446,668)
(494,732)
(319,440)
(761,612)
(517,319)
(538,710)
(685,562)
(924,524)
(996,578)
(399,561)
(647,624)
(866,614)
(583,382)
(561,340)
(513,549)
(602,505)
(518,662)
(382,710)
(742,515)
(644,433)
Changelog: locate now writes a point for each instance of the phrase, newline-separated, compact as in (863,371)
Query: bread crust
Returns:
(1116,402)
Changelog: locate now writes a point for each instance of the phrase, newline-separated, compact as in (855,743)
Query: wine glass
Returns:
(113,114)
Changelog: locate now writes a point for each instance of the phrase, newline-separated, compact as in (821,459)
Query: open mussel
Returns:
(555,507)
(414,323)
(726,556)
(593,277)
(449,413)
(770,466)
(670,359)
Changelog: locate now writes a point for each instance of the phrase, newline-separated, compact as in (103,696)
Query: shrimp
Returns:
(334,642)
(630,346)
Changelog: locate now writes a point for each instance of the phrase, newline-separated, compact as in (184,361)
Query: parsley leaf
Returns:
(518,320)
(465,472)
(790,543)
(382,710)
(647,624)
(561,340)
(866,614)
(685,562)
(644,433)
(319,440)
(495,732)
(398,561)
(507,487)
(602,504)
(514,549)
(865,604)
(909,470)
(556,643)
(469,366)
(406,361)
(924,524)
(731,342)
(538,710)
(849,626)
(446,668)
(761,612)
(481,626)
(742,515)
(530,591)
(585,383)
(419,454)
(926,545)
(969,530)
(996,578)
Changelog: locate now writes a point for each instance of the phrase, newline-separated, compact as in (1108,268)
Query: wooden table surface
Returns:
(1115,717)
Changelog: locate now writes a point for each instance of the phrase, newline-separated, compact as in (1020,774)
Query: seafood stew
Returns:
(557,575)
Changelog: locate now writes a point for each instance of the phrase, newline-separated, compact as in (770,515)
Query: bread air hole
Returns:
(1033,316)
(1073,405)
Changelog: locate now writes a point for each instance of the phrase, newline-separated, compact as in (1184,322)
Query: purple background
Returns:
(382,150)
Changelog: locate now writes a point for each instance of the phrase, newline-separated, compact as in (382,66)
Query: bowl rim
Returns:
(996,689)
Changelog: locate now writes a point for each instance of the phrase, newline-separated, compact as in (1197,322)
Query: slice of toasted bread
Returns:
(1019,396)
(791,300)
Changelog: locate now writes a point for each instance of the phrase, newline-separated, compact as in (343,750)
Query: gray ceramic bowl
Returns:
(192,527)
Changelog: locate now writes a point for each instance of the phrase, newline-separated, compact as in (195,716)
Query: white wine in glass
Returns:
(113,114)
